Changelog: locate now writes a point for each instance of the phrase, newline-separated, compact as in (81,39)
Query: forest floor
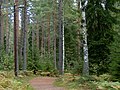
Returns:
(44,83)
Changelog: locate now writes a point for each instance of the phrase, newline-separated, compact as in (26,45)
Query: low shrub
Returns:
(9,82)
(103,82)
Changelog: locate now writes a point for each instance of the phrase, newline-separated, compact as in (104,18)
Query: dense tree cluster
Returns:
(65,35)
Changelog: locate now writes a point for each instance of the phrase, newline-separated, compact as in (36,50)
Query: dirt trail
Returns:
(44,83)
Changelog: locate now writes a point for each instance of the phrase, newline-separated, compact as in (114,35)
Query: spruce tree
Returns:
(100,34)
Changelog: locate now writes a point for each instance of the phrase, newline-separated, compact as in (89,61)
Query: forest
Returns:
(74,43)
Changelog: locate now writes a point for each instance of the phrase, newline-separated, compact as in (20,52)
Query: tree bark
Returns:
(78,33)
(16,28)
(61,37)
(2,31)
(84,32)
(55,27)
(7,29)
(37,34)
(33,39)
(21,40)
(49,32)
(42,39)
(0,27)
(25,37)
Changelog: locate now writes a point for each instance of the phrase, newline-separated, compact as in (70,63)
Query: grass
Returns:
(9,82)
(25,81)
(102,82)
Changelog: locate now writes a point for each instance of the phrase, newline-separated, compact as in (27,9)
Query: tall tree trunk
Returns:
(33,38)
(54,23)
(49,32)
(61,37)
(42,39)
(2,30)
(0,27)
(37,34)
(84,32)
(11,47)
(25,37)
(7,29)
(8,39)
(16,28)
(78,33)
(21,40)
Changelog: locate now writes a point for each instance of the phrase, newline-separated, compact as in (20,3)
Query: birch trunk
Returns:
(84,32)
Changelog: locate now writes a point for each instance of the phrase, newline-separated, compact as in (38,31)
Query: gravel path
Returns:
(44,83)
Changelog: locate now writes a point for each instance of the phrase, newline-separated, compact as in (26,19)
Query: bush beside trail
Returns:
(9,82)
(93,82)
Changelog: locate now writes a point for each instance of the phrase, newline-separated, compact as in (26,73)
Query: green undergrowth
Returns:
(103,82)
(52,73)
(9,82)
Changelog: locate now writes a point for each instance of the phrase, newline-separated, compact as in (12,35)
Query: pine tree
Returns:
(0,26)
(16,28)
(100,34)
(7,28)
(61,37)
(48,40)
(55,33)
(25,37)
